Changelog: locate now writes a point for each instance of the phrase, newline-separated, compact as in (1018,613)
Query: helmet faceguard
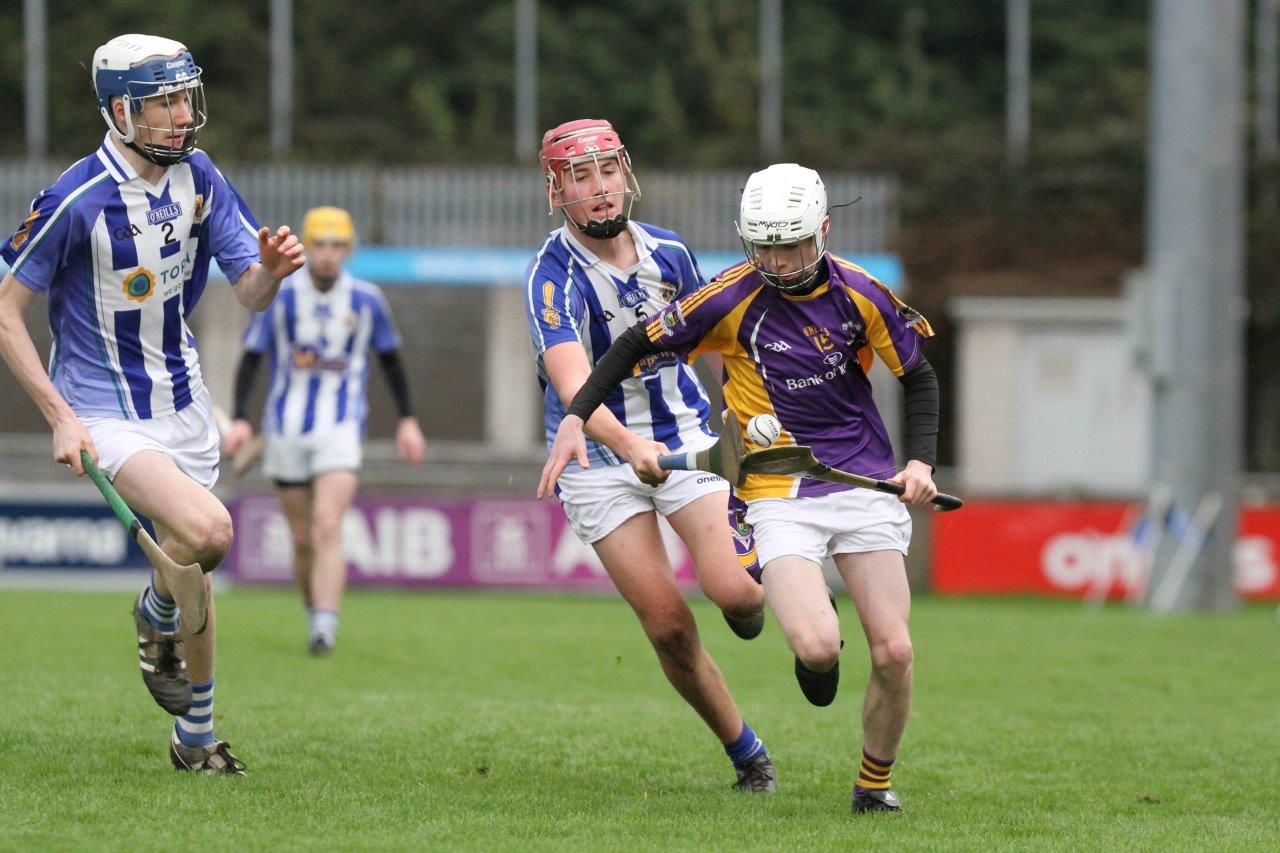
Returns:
(140,69)
(782,207)
(587,154)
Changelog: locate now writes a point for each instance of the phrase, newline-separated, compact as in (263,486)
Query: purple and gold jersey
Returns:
(804,360)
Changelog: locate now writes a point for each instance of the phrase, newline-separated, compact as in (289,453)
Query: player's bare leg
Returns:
(877,583)
(331,495)
(637,563)
(704,527)
(798,596)
(193,526)
(295,502)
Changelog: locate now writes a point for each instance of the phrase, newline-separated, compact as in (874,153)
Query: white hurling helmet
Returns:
(782,206)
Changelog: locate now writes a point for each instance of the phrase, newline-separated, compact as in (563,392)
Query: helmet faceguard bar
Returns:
(795,281)
(564,170)
(170,78)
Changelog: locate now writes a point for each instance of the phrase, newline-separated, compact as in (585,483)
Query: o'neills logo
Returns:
(164,213)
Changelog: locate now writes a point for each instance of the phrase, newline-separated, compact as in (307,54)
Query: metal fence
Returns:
(497,207)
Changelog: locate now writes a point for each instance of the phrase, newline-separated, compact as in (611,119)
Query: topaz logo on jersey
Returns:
(24,231)
(164,213)
(139,284)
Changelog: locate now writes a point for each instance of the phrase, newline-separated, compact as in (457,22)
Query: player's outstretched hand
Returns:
(570,443)
(410,443)
(643,455)
(281,253)
(917,483)
(69,437)
(238,435)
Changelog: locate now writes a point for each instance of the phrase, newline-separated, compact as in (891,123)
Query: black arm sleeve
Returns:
(613,367)
(920,392)
(246,373)
(393,367)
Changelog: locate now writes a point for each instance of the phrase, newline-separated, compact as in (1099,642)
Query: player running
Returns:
(592,278)
(797,328)
(318,336)
(121,243)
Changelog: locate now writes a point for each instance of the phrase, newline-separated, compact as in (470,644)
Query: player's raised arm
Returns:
(279,256)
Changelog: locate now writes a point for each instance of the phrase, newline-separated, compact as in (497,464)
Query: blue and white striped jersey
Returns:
(571,295)
(319,345)
(124,263)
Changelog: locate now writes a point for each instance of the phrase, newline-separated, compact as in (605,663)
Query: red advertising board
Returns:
(1076,549)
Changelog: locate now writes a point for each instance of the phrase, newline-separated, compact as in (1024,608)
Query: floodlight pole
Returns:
(770,78)
(526,70)
(36,46)
(281,77)
(1017,17)
(1195,254)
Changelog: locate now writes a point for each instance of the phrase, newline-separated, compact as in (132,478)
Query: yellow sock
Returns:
(873,774)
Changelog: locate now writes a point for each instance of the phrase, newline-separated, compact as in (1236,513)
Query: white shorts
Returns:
(599,499)
(299,458)
(848,522)
(188,437)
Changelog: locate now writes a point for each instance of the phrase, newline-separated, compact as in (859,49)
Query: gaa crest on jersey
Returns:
(139,284)
(24,231)
(671,317)
(197,215)
(909,315)
(667,290)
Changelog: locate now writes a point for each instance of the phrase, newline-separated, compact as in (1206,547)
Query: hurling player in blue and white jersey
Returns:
(121,245)
(592,278)
(318,336)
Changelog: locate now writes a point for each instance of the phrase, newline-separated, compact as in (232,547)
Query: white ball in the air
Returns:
(763,430)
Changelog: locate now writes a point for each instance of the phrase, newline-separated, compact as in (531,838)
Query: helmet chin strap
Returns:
(153,154)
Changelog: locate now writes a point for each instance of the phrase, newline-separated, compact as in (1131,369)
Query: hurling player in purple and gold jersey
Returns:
(797,329)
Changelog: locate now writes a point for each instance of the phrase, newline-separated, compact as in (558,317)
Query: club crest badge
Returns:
(139,285)
(24,231)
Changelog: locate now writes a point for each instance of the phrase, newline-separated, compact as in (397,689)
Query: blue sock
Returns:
(324,622)
(745,748)
(195,728)
(160,611)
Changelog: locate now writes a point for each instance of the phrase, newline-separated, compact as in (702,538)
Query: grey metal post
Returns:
(1195,251)
(770,78)
(281,77)
(1267,94)
(526,69)
(1017,69)
(36,43)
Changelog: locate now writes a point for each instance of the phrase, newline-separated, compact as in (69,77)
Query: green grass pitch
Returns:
(485,721)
